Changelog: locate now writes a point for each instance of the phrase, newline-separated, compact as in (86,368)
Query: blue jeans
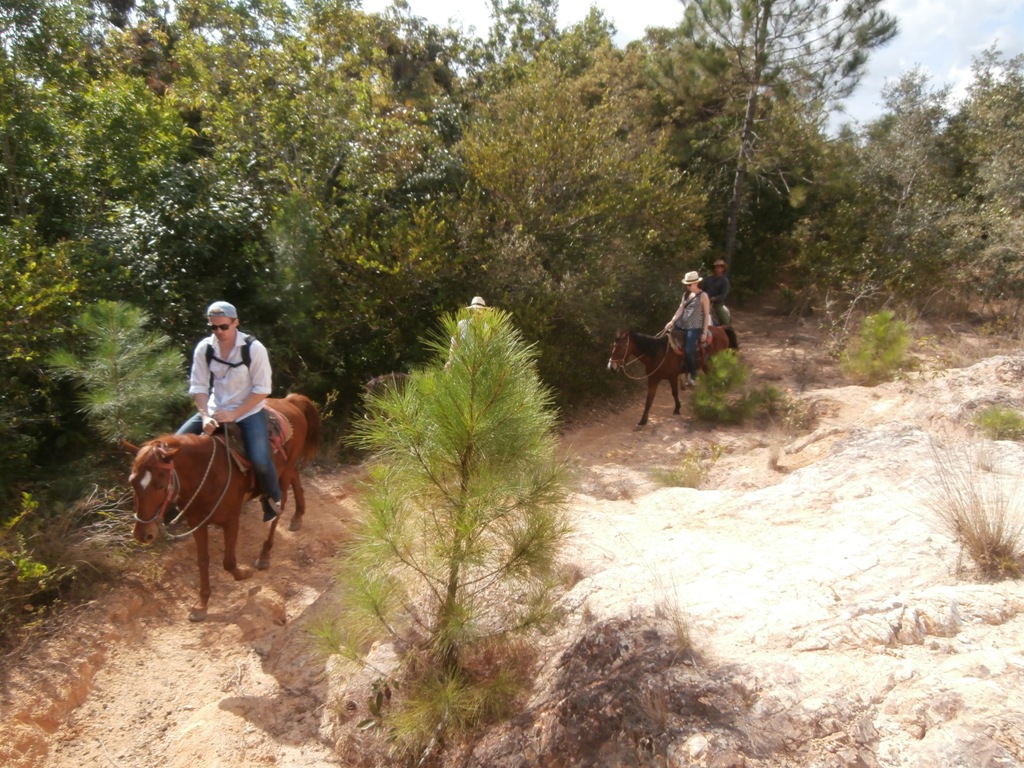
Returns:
(257,448)
(690,349)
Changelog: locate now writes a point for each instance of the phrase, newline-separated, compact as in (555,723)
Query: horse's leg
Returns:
(240,572)
(202,539)
(300,502)
(263,561)
(674,383)
(652,386)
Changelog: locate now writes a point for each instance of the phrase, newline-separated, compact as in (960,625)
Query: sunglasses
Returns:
(215,327)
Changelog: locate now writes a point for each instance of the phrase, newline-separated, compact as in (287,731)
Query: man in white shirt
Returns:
(230,384)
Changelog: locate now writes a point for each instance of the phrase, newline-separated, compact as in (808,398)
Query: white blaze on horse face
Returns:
(145,480)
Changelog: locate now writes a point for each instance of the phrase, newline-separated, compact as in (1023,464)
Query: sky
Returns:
(941,37)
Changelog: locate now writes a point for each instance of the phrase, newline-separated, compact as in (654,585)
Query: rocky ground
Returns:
(802,607)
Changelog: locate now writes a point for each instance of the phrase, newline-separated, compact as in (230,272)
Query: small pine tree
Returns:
(129,376)
(466,497)
(879,350)
(718,396)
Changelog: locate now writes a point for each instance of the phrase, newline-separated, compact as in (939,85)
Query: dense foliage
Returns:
(346,178)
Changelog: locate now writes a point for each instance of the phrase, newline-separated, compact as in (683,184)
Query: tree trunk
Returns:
(740,181)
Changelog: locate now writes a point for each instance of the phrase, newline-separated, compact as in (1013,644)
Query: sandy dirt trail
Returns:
(133,682)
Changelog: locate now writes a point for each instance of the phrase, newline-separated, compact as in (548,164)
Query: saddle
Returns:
(279,431)
(676,341)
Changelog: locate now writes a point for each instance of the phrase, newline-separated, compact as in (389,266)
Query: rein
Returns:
(624,362)
(174,488)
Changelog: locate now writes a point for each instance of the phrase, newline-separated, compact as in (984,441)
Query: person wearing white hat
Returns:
(230,379)
(476,306)
(692,321)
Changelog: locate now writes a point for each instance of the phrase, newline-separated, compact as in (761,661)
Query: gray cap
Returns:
(222,309)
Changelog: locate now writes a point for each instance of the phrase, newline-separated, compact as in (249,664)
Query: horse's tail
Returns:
(313,425)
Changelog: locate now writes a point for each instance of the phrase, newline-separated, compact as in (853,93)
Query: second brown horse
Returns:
(661,361)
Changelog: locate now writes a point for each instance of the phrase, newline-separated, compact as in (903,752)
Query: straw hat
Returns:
(477,303)
(690,278)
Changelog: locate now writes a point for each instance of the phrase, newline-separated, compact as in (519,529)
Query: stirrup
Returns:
(271,509)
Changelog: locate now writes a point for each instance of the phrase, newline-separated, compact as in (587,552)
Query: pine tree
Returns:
(129,376)
(465,512)
(807,52)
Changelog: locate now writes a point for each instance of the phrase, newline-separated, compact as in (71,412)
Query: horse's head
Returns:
(620,350)
(152,482)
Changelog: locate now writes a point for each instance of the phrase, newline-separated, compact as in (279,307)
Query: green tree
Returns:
(878,351)
(573,201)
(39,288)
(886,218)
(987,136)
(128,376)
(465,512)
(807,54)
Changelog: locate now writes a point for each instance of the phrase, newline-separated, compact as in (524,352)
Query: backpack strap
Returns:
(246,356)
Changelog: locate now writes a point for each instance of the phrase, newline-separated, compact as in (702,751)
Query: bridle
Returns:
(174,488)
(169,496)
(619,366)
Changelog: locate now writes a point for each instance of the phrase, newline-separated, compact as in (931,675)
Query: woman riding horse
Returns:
(693,321)
(660,360)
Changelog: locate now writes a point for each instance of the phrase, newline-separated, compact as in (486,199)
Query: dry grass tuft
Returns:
(980,508)
(691,470)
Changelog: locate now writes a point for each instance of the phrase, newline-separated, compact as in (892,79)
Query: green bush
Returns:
(718,396)
(878,351)
(1000,422)
(128,377)
(781,409)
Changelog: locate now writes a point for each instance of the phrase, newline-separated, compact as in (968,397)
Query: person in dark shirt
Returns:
(716,286)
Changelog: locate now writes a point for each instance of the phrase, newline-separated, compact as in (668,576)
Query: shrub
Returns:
(792,416)
(977,508)
(1000,422)
(878,351)
(718,396)
(128,377)
(50,554)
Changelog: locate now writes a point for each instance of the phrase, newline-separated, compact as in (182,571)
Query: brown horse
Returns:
(661,361)
(195,473)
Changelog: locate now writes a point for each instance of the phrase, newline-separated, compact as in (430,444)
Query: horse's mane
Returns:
(173,438)
(649,345)
(170,440)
